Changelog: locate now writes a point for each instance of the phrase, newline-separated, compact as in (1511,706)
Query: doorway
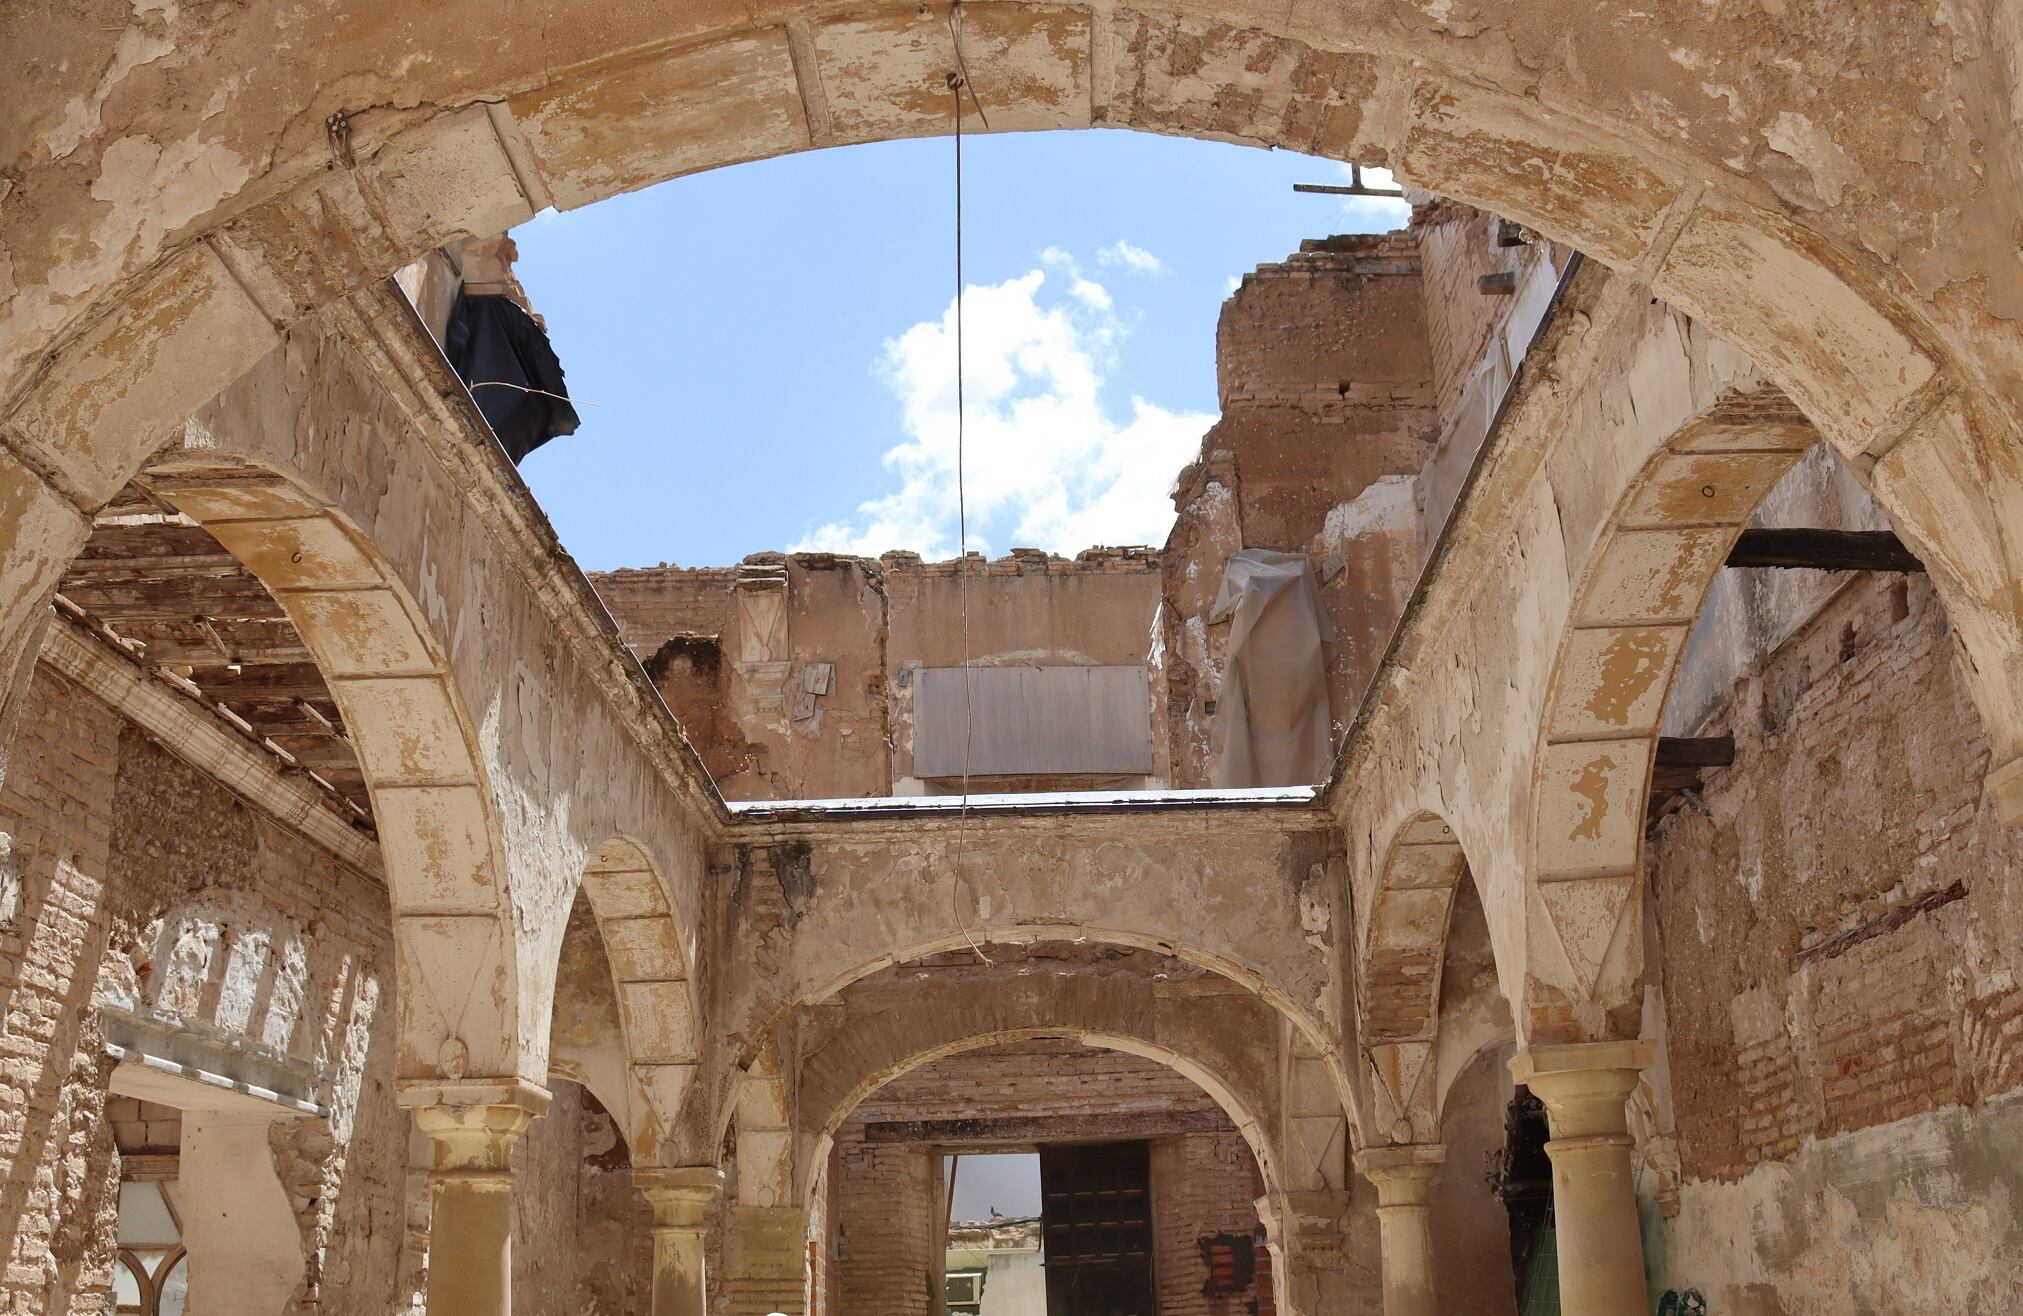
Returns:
(1096,1217)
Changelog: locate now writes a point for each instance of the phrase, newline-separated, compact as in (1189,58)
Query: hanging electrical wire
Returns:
(958,83)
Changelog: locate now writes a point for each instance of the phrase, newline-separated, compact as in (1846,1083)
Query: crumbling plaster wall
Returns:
(1837,916)
(582,1236)
(1255,897)
(1026,609)
(144,884)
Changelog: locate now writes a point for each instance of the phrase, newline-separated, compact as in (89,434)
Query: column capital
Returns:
(681,1196)
(1313,1218)
(1401,1173)
(473,1122)
(1584,1084)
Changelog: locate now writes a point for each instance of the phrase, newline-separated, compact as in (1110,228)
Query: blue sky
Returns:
(763,356)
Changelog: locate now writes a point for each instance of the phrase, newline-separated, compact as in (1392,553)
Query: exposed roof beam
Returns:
(193,733)
(1824,550)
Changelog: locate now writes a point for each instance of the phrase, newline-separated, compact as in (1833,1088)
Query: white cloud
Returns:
(1229,288)
(1133,258)
(1047,465)
(1372,214)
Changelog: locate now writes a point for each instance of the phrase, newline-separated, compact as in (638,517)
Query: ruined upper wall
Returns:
(1271,346)
(794,673)
(1357,377)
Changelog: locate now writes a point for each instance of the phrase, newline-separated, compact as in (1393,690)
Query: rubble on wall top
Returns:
(1031,562)
(1101,559)
(1001,1232)
(1378,254)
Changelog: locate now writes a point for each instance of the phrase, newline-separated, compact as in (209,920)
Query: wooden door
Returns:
(1096,1214)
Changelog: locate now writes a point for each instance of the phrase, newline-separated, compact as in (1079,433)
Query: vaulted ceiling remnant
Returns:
(162,590)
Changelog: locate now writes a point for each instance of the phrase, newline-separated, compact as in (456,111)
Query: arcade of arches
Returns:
(1584,872)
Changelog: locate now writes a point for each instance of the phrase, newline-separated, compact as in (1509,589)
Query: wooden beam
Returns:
(1696,751)
(261,681)
(1824,550)
(1029,1130)
(196,735)
(175,598)
(1681,759)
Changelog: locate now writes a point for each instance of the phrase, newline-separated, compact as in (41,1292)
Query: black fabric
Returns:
(493,343)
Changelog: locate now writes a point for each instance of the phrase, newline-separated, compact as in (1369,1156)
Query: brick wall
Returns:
(136,879)
(1204,1186)
(890,1228)
(871,622)
(60,1196)
(1035,1078)
(888,1205)
(1838,942)
(1328,415)
(652,603)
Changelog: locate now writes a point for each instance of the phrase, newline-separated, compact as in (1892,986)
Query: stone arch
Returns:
(1248,1122)
(1308,1024)
(456,965)
(1634,603)
(107,343)
(1210,1030)
(836,1080)
(1228,891)
(649,956)
(1234,1066)
(1399,957)
(1317,1037)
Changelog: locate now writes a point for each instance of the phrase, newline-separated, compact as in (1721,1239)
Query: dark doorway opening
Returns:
(1521,1175)
(1096,1214)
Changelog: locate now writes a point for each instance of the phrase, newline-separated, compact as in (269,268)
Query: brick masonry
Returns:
(138,880)
(888,1200)
(1815,988)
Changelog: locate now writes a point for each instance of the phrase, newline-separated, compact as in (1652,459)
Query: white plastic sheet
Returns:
(1272,715)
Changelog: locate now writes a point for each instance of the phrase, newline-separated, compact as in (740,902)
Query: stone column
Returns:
(769,1261)
(1311,1270)
(681,1199)
(238,1224)
(1586,1087)
(1405,1223)
(470,1250)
